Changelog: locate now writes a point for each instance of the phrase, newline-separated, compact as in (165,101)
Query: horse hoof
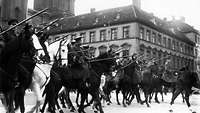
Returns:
(124,105)
(194,112)
(170,110)
(158,102)
(41,111)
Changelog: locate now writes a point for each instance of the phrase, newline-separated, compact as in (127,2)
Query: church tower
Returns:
(57,8)
(10,9)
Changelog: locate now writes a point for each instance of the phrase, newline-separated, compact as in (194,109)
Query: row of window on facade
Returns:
(176,61)
(167,42)
(102,35)
(94,51)
(197,38)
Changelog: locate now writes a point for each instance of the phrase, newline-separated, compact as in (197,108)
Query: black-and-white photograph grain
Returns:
(99,56)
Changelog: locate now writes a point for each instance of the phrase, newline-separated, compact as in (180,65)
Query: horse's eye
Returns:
(63,50)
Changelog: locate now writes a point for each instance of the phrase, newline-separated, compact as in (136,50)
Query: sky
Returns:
(160,8)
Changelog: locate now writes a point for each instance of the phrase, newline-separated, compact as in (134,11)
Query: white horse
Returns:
(41,72)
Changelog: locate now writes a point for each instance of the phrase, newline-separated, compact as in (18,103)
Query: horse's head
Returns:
(64,52)
(194,78)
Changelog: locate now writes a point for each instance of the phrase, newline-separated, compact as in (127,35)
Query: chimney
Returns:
(136,3)
(92,10)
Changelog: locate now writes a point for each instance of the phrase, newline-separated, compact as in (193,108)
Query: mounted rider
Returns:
(76,52)
(11,64)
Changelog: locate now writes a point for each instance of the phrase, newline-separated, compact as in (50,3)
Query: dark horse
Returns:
(84,77)
(186,80)
(126,80)
(150,80)
(10,69)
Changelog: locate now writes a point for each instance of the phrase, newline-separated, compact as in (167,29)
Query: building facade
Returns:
(10,9)
(56,9)
(132,28)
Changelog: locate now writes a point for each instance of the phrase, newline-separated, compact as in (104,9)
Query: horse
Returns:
(150,81)
(10,69)
(186,80)
(84,76)
(41,72)
(127,80)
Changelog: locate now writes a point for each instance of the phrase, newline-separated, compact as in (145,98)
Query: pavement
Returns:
(163,107)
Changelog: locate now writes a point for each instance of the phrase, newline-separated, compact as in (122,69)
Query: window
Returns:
(113,33)
(148,35)
(169,43)
(173,44)
(92,36)
(159,39)
(126,32)
(141,33)
(154,37)
(102,35)
(181,47)
(141,50)
(177,46)
(83,35)
(164,41)
(148,55)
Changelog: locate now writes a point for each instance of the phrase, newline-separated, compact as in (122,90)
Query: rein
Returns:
(47,78)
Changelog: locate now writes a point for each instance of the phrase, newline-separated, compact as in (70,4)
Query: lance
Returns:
(50,24)
(24,21)
(119,50)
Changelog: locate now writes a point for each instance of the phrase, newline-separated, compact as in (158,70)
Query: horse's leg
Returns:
(77,97)
(83,98)
(62,99)
(131,97)
(124,97)
(69,102)
(182,94)
(187,94)
(44,105)
(11,95)
(21,100)
(161,93)
(58,106)
(177,91)
(117,92)
(137,93)
(146,94)
(36,89)
(156,96)
(150,96)
(97,102)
